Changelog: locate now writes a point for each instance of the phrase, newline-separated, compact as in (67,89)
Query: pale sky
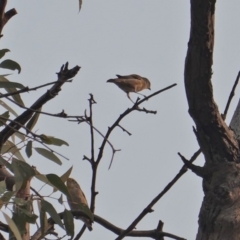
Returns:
(111,37)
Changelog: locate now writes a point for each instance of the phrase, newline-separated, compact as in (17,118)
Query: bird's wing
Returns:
(119,76)
(135,76)
(132,76)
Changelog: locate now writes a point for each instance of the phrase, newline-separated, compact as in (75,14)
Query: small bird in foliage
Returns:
(131,83)
(77,201)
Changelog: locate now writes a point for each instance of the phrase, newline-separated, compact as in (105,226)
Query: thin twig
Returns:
(64,75)
(91,102)
(92,159)
(105,140)
(124,130)
(35,136)
(232,93)
(113,157)
(27,89)
(125,113)
(148,209)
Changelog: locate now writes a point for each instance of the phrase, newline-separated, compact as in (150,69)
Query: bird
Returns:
(131,83)
(76,199)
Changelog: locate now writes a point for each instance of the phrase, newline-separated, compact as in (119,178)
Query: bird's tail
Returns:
(110,80)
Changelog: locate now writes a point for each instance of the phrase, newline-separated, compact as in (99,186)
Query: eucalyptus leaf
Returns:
(64,177)
(3,104)
(3,52)
(48,207)
(15,97)
(43,179)
(58,183)
(52,140)
(11,147)
(19,180)
(26,171)
(69,223)
(3,118)
(12,226)
(5,163)
(10,64)
(2,187)
(7,196)
(11,85)
(28,149)
(49,155)
(32,122)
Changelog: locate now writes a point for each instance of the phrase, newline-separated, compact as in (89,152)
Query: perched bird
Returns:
(77,199)
(131,83)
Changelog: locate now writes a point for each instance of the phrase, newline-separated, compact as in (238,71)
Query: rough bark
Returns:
(219,216)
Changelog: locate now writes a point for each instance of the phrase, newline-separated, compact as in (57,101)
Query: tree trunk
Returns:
(219,216)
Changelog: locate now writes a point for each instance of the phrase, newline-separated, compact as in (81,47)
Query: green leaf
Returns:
(7,196)
(52,140)
(6,164)
(11,85)
(3,187)
(28,216)
(28,149)
(15,97)
(58,141)
(32,122)
(64,177)
(19,135)
(18,176)
(58,183)
(45,139)
(26,171)
(20,222)
(47,154)
(3,52)
(48,207)
(3,118)
(12,226)
(43,178)
(11,147)
(43,221)
(10,64)
(69,223)
(3,104)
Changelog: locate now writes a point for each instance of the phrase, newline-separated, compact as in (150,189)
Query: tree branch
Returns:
(232,93)
(155,233)
(64,75)
(148,209)
(5,17)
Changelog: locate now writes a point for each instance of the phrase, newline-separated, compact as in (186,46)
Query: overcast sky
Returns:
(109,37)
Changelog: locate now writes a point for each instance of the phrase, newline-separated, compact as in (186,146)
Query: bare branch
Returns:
(232,93)
(148,209)
(5,17)
(124,130)
(125,113)
(64,75)
(27,89)
(155,233)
